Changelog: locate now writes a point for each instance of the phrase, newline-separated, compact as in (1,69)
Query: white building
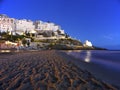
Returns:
(6,23)
(24,25)
(88,43)
(62,31)
(39,25)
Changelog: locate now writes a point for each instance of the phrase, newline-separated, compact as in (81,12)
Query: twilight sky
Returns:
(94,20)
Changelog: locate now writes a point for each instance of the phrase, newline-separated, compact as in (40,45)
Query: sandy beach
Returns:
(45,70)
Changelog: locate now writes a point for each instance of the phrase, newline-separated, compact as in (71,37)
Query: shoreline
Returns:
(100,71)
(45,70)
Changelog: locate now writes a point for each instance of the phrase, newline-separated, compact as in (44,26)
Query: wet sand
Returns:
(45,70)
(104,65)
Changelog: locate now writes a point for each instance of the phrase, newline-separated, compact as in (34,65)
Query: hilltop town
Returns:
(36,35)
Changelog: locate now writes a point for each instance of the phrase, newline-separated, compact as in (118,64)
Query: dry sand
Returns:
(45,70)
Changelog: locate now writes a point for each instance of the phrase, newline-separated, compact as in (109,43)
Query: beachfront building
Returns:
(23,25)
(88,43)
(6,24)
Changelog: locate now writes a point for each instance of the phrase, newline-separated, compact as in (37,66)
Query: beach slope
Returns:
(45,70)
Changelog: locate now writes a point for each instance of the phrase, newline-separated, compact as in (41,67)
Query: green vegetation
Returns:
(7,36)
(61,44)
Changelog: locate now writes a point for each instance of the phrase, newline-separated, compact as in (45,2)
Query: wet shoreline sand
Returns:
(45,70)
(104,65)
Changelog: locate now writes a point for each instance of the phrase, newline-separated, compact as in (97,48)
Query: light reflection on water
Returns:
(106,58)
(103,64)
(88,56)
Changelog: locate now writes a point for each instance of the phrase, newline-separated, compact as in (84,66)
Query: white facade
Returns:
(62,31)
(6,23)
(88,43)
(24,25)
(39,25)
(56,27)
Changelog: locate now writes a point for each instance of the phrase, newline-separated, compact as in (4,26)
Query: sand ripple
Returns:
(45,70)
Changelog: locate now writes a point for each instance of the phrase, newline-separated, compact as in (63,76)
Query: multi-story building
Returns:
(6,23)
(39,25)
(24,25)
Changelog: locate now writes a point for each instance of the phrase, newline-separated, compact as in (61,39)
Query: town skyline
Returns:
(26,25)
(38,30)
(97,21)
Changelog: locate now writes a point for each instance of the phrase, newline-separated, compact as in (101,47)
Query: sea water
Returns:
(103,64)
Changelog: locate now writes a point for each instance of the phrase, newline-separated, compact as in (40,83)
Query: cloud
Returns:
(111,36)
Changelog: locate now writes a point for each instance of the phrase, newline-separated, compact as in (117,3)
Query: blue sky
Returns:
(94,20)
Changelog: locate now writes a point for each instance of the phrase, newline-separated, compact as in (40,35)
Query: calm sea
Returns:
(105,65)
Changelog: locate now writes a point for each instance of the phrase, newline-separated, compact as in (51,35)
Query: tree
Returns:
(66,35)
(59,32)
(24,42)
(53,34)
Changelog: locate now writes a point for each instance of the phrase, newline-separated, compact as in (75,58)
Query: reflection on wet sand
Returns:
(3,51)
(69,51)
